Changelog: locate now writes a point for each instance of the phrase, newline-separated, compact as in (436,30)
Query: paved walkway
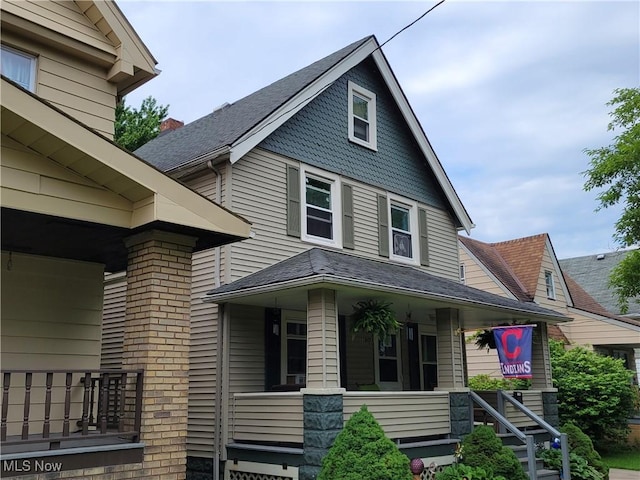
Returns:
(617,474)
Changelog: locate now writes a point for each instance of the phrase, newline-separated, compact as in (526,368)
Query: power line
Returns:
(329,84)
(412,23)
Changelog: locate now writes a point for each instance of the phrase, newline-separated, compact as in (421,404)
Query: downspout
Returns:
(218,200)
(218,394)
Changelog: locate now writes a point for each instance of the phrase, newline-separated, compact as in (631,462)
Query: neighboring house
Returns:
(527,269)
(348,202)
(592,273)
(74,205)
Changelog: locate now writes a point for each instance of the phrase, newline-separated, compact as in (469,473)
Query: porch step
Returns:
(544,474)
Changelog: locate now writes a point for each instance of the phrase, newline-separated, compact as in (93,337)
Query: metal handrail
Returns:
(564,440)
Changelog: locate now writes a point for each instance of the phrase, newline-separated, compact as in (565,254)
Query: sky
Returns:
(509,93)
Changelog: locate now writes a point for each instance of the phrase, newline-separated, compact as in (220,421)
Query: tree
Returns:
(594,392)
(134,127)
(361,451)
(617,168)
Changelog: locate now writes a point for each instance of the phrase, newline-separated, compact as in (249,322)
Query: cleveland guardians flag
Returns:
(514,350)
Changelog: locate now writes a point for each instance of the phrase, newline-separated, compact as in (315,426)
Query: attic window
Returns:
(362,116)
(551,289)
(19,67)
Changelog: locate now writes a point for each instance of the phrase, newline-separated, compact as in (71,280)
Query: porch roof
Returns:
(317,267)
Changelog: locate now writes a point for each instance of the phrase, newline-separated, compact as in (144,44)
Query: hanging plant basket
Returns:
(485,339)
(375,317)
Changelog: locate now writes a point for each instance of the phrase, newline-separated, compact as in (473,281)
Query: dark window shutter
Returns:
(273,330)
(342,345)
(424,239)
(413,344)
(293,201)
(347,217)
(383,227)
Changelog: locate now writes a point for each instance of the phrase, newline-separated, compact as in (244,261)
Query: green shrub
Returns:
(482,448)
(485,382)
(580,444)
(594,392)
(461,471)
(580,469)
(361,451)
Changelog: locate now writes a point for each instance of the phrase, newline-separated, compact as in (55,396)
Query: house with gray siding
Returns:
(348,202)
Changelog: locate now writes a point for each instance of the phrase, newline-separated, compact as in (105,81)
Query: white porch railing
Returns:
(267,417)
(404,414)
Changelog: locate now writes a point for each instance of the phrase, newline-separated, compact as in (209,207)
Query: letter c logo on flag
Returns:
(516,332)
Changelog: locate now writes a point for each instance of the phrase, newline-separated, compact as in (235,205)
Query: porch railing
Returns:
(55,407)
(404,415)
(528,440)
(267,417)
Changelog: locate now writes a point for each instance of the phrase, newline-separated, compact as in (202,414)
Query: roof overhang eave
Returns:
(331,280)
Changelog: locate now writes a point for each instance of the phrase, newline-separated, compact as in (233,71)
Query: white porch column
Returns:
(323,359)
(450,349)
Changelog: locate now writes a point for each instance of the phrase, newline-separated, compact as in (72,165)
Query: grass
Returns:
(627,460)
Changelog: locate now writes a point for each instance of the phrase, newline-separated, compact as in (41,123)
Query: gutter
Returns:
(197,163)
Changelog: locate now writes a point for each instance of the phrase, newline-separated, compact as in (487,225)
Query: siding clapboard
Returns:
(259,194)
(45,298)
(115,291)
(76,87)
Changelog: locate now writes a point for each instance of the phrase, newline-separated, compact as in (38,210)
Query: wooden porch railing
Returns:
(404,415)
(57,406)
(277,417)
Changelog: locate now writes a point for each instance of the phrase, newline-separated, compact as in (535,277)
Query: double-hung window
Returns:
(294,349)
(19,67)
(320,209)
(403,231)
(362,116)
(551,289)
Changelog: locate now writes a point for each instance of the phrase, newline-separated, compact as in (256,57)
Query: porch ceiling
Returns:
(410,290)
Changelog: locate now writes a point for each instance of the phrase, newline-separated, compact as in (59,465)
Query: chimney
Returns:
(170,124)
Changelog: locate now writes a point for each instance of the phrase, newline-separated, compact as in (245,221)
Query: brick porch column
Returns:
(156,338)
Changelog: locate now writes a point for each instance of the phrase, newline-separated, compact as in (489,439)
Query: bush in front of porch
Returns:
(361,451)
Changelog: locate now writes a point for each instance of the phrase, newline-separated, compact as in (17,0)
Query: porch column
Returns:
(540,358)
(156,338)
(450,350)
(322,404)
(323,360)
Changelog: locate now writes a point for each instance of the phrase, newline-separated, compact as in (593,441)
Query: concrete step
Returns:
(544,474)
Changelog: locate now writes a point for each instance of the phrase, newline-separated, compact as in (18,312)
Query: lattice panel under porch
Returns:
(255,476)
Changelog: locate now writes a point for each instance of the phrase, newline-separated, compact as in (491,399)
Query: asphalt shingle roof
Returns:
(592,272)
(350,268)
(226,125)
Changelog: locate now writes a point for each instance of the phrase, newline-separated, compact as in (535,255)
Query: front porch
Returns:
(293,371)
(69,419)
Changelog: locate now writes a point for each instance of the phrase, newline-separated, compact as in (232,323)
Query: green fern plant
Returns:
(375,317)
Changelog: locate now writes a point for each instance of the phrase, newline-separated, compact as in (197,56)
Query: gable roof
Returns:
(96,31)
(497,266)
(592,272)
(319,266)
(517,263)
(237,128)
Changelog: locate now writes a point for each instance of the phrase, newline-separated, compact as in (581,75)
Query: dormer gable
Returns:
(92,31)
(231,132)
(527,267)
